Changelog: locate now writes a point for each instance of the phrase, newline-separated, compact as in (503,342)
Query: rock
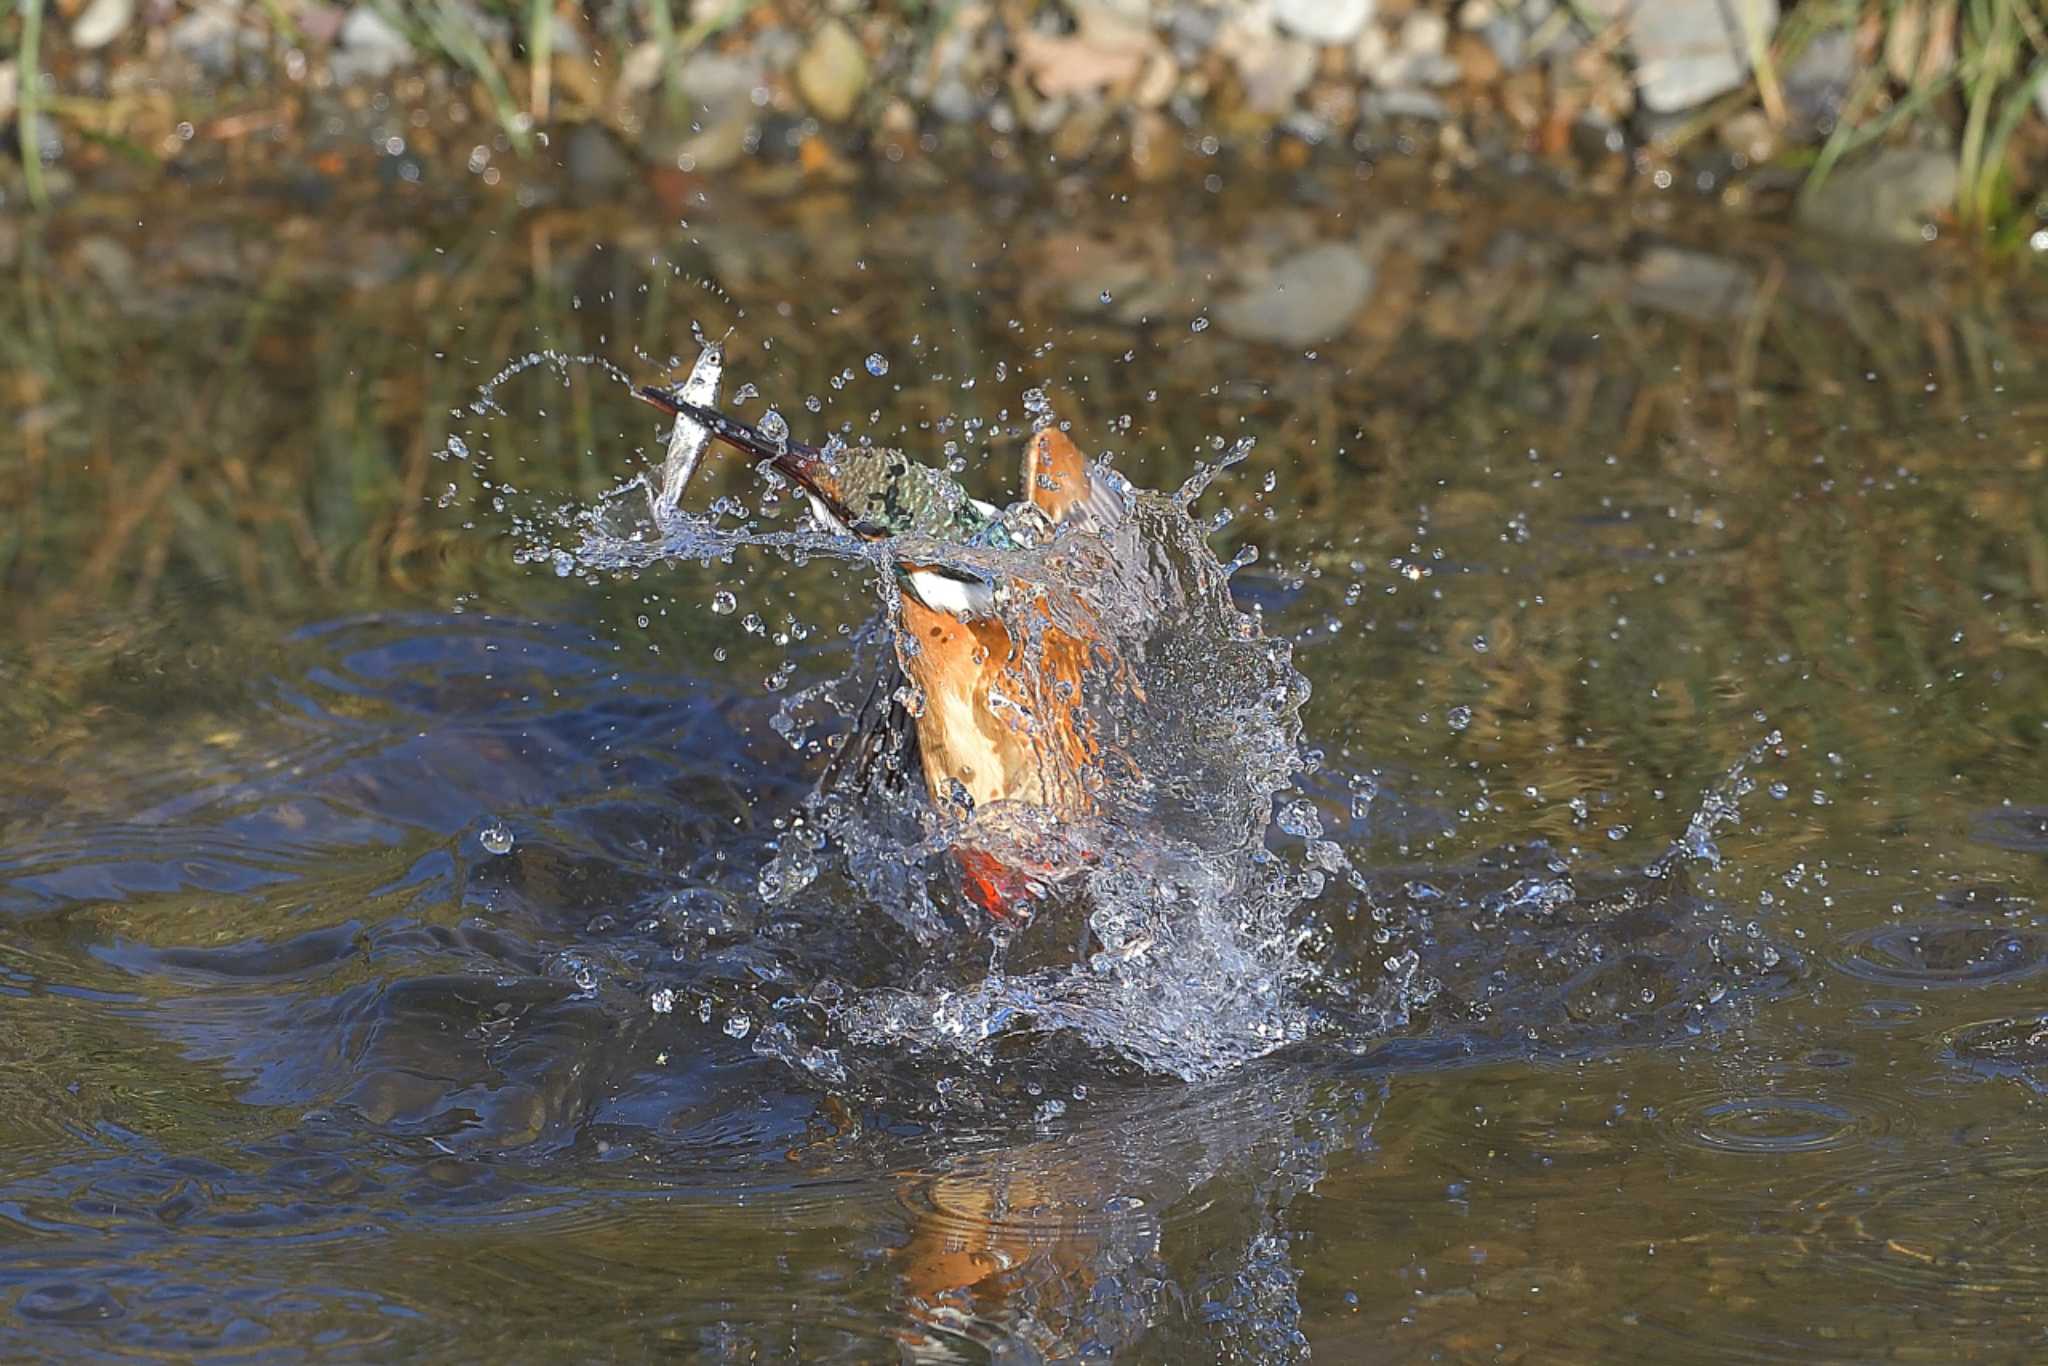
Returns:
(1692,285)
(1478,63)
(1511,31)
(1156,86)
(1817,80)
(1274,69)
(594,160)
(777,49)
(1307,298)
(833,72)
(717,85)
(952,101)
(1416,56)
(1688,51)
(708,152)
(206,38)
(1383,106)
(1889,197)
(1326,22)
(640,69)
(1104,51)
(369,49)
(100,23)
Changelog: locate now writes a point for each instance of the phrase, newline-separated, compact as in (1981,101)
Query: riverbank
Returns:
(1903,120)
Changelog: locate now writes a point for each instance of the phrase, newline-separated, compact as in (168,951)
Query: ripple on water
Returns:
(2014,1047)
(67,1302)
(1933,955)
(1773,1124)
(1963,1236)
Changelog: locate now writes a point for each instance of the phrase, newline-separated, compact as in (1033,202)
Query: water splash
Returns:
(1175,931)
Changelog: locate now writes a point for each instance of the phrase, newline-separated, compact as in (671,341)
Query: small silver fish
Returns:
(689,438)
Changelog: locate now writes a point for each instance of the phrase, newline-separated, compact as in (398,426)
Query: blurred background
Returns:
(1880,118)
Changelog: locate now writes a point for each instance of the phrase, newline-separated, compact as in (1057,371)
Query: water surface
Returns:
(381,919)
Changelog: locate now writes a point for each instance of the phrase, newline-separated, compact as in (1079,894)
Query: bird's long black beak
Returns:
(803,465)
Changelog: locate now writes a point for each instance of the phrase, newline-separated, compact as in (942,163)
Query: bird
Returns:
(1001,720)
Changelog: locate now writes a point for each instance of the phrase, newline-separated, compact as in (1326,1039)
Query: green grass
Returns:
(1980,98)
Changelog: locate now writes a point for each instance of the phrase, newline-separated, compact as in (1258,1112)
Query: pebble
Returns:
(1274,69)
(1417,56)
(206,38)
(1323,21)
(1692,285)
(369,48)
(640,68)
(833,72)
(1309,297)
(1688,51)
(1380,106)
(1887,197)
(100,23)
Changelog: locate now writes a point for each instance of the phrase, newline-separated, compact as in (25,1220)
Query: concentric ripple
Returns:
(1928,955)
(1769,1124)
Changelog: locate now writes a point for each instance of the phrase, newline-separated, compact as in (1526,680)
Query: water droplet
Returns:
(1039,407)
(1458,717)
(662,1001)
(1105,296)
(739,1026)
(1299,817)
(878,365)
(724,603)
(775,427)
(1199,325)
(495,838)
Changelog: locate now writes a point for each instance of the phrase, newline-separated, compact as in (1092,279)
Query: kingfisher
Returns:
(1001,720)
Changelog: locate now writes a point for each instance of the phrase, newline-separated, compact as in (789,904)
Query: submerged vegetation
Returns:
(1876,117)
